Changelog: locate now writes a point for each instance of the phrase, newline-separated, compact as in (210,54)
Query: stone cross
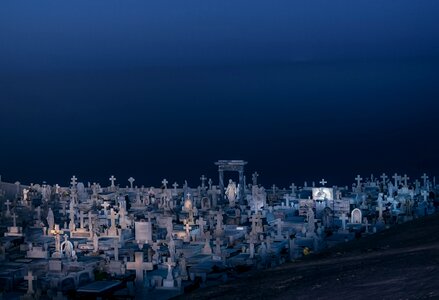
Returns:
(396,177)
(293,188)
(30,278)
(131,181)
(73,181)
(81,219)
(287,200)
(323,182)
(94,188)
(210,182)
(165,183)
(254,219)
(14,219)
(358,179)
(112,179)
(170,265)
(425,194)
(417,184)
(175,186)
(203,181)
(8,203)
(425,177)
(384,177)
(113,218)
(366,224)
(405,178)
(201,223)
(57,232)
(255,176)
(139,266)
(343,219)
(274,189)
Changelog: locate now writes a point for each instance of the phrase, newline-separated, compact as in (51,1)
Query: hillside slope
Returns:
(399,263)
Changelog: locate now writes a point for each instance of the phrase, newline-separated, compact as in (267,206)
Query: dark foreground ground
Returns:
(398,263)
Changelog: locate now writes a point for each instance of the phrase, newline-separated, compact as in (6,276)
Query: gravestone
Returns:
(356,216)
(139,266)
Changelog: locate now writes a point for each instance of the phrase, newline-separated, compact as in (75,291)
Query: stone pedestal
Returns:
(14,231)
(168,283)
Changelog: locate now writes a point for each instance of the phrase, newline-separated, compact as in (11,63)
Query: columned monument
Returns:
(232,166)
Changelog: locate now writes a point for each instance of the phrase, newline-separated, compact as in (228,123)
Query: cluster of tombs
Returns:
(96,240)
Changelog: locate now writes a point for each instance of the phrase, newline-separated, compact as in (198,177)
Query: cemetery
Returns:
(121,240)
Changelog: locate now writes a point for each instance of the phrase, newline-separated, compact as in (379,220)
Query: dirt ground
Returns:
(399,263)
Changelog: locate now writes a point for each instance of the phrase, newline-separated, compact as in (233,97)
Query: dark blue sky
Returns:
(300,89)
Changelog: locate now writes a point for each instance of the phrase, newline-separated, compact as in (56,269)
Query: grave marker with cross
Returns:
(14,219)
(358,179)
(396,178)
(81,219)
(203,181)
(131,181)
(175,186)
(293,188)
(425,177)
(8,204)
(201,223)
(74,181)
(343,219)
(405,178)
(384,177)
(273,188)
(139,266)
(170,264)
(255,176)
(366,224)
(30,278)
(425,194)
(113,217)
(112,179)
